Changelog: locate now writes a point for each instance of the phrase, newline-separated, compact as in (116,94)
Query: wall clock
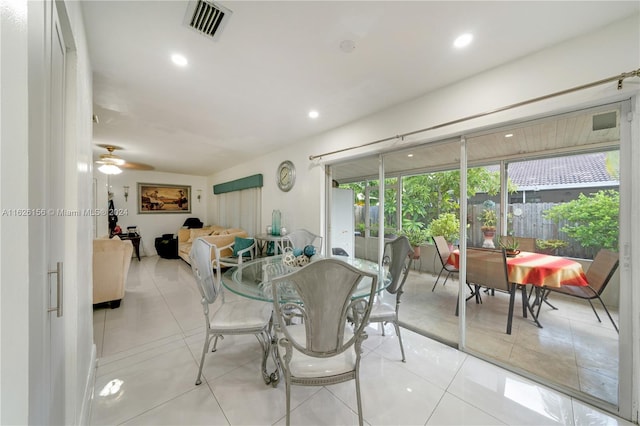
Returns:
(286,175)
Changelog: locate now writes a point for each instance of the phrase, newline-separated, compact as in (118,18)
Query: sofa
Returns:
(111,260)
(218,235)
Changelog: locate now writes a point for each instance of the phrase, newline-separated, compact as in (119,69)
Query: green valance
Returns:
(254,181)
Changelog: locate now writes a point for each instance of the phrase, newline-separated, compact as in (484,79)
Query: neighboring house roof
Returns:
(574,171)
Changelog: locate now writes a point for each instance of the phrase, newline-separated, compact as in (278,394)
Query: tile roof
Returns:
(566,171)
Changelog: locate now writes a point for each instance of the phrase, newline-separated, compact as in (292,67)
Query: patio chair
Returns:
(598,276)
(238,317)
(488,268)
(324,349)
(524,243)
(442,247)
(300,238)
(398,259)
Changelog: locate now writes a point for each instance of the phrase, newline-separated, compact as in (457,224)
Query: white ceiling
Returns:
(248,92)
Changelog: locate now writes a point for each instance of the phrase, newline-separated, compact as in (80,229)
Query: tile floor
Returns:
(149,347)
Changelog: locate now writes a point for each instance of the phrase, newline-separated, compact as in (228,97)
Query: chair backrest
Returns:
(397,258)
(487,268)
(601,270)
(524,243)
(324,288)
(300,238)
(443,248)
(202,268)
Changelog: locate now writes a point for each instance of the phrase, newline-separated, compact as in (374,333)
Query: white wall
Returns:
(150,225)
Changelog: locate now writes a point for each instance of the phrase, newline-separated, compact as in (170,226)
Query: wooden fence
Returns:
(528,224)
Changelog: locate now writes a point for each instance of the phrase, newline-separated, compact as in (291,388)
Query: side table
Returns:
(135,240)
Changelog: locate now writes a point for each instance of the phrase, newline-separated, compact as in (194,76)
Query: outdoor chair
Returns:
(488,268)
(324,349)
(238,317)
(397,257)
(442,247)
(598,276)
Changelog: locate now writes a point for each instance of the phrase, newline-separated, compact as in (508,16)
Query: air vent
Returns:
(608,120)
(207,18)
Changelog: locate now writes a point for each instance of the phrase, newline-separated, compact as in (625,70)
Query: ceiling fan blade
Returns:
(136,166)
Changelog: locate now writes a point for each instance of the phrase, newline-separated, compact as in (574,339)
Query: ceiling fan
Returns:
(111,164)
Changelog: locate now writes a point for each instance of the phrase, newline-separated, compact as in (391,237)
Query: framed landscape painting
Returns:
(164,198)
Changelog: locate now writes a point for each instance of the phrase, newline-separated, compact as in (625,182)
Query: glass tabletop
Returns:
(251,279)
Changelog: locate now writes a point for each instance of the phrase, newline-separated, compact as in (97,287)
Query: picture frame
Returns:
(158,198)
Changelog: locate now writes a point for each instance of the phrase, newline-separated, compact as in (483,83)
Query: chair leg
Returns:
(436,283)
(594,310)
(205,349)
(359,399)
(395,323)
(524,300)
(609,315)
(512,300)
(287,387)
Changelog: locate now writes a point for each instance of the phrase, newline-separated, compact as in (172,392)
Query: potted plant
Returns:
(551,246)
(510,245)
(488,218)
(446,225)
(417,237)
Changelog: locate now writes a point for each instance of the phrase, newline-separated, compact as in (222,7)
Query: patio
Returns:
(572,349)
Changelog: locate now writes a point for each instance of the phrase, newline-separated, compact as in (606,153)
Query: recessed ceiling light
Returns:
(463,40)
(313,114)
(508,135)
(179,60)
(347,46)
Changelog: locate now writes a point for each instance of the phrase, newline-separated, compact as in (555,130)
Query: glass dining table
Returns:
(253,280)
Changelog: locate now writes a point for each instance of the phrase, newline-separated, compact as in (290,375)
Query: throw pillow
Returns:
(241,244)
(196,233)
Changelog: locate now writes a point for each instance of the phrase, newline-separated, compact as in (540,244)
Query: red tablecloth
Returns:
(538,269)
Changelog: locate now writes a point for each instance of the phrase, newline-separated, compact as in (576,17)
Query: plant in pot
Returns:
(510,245)
(488,218)
(446,225)
(417,237)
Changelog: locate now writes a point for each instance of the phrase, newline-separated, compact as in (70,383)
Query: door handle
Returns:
(59,284)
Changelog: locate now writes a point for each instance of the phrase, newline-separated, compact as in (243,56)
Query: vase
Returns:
(275,222)
(488,238)
(416,252)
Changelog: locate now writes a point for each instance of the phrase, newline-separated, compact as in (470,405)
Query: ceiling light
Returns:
(179,60)
(463,40)
(313,114)
(110,169)
(347,46)
(410,155)
(508,135)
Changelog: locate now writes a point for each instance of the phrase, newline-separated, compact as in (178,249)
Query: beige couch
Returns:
(218,235)
(111,260)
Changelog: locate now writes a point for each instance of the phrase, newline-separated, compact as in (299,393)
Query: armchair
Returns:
(111,260)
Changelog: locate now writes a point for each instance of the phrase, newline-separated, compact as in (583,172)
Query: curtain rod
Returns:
(619,78)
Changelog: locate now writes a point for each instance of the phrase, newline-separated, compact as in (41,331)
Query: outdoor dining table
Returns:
(540,270)
(253,280)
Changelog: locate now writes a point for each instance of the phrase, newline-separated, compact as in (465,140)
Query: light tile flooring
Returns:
(148,351)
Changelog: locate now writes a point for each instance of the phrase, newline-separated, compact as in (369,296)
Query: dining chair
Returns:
(488,268)
(300,238)
(442,247)
(598,276)
(230,318)
(524,243)
(397,258)
(324,349)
